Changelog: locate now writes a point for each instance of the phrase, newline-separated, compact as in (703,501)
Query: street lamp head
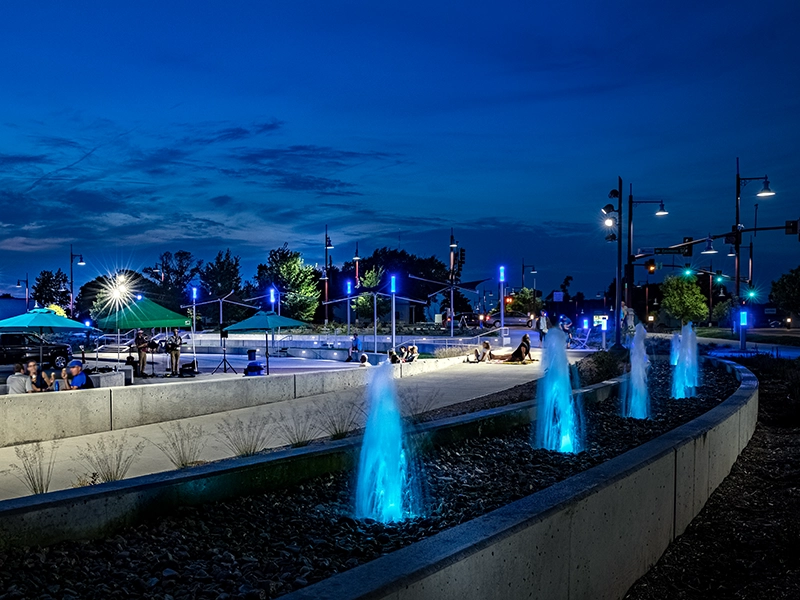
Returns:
(611,237)
(709,249)
(731,252)
(533,270)
(609,222)
(661,212)
(765,191)
(328,244)
(81,262)
(18,283)
(608,208)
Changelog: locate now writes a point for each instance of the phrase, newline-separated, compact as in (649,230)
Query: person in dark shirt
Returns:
(38,382)
(523,351)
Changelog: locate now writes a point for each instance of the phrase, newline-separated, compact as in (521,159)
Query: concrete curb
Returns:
(588,537)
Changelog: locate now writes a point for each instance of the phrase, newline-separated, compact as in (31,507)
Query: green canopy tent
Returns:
(143,314)
(43,320)
(265,321)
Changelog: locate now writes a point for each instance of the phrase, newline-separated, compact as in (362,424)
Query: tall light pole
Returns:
(194,327)
(453,246)
(502,298)
(661,212)
(393,290)
(27,290)
(72,257)
(616,237)
(328,246)
(349,293)
(532,272)
(737,228)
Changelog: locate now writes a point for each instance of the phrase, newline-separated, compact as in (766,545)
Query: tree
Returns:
(57,309)
(295,280)
(222,275)
(51,288)
(173,275)
(683,299)
(565,287)
(523,301)
(722,312)
(786,291)
(363,303)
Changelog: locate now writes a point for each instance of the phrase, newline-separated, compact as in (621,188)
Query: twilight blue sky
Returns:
(130,130)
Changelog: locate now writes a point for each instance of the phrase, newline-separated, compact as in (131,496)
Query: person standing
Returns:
(542,328)
(19,382)
(141,348)
(174,343)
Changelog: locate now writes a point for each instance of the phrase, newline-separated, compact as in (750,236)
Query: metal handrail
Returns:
(451,341)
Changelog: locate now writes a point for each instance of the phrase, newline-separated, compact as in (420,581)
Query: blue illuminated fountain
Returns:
(636,402)
(674,349)
(685,377)
(383,490)
(558,423)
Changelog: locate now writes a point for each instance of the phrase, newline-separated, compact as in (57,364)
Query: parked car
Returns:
(511,317)
(22,347)
(468,319)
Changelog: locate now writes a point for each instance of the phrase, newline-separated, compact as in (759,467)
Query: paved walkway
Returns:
(455,384)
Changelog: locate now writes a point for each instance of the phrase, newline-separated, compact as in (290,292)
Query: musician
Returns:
(174,343)
(141,347)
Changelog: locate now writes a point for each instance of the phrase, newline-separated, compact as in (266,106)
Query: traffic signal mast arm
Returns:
(719,236)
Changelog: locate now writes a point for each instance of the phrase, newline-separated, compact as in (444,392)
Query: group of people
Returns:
(173,348)
(407,354)
(30,379)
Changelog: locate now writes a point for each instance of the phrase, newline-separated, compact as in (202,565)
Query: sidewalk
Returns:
(455,384)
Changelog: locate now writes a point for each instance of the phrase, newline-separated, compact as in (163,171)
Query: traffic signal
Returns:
(509,299)
(688,250)
(791,227)
(651,266)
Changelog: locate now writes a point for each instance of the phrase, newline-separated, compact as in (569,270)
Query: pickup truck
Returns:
(22,347)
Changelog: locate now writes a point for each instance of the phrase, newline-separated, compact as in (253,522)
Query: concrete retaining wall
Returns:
(36,417)
(588,537)
(39,417)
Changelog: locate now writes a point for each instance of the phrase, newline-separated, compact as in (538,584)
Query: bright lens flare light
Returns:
(609,222)
(114,294)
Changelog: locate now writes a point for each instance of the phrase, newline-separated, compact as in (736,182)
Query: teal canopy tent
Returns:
(265,321)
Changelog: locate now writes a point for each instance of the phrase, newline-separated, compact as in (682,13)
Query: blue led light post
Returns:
(393,290)
(194,328)
(350,293)
(502,298)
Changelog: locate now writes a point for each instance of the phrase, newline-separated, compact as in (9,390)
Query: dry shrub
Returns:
(338,417)
(245,438)
(183,445)
(296,428)
(109,459)
(36,472)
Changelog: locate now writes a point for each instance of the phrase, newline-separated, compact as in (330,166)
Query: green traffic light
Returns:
(687,272)
(719,279)
(751,293)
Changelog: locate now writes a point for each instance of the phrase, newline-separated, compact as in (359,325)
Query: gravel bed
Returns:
(266,545)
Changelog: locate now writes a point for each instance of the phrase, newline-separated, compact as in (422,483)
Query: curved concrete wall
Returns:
(588,537)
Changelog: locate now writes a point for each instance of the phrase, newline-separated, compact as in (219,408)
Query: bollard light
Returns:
(743,318)
(349,287)
(393,286)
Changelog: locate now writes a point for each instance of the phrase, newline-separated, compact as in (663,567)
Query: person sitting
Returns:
(364,361)
(80,380)
(37,379)
(485,353)
(355,348)
(19,382)
(403,354)
(523,351)
(413,354)
(393,358)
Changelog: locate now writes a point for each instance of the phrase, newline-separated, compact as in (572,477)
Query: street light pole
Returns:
(72,257)
(194,328)
(328,246)
(349,292)
(502,299)
(631,256)
(27,290)
(393,290)
(737,229)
